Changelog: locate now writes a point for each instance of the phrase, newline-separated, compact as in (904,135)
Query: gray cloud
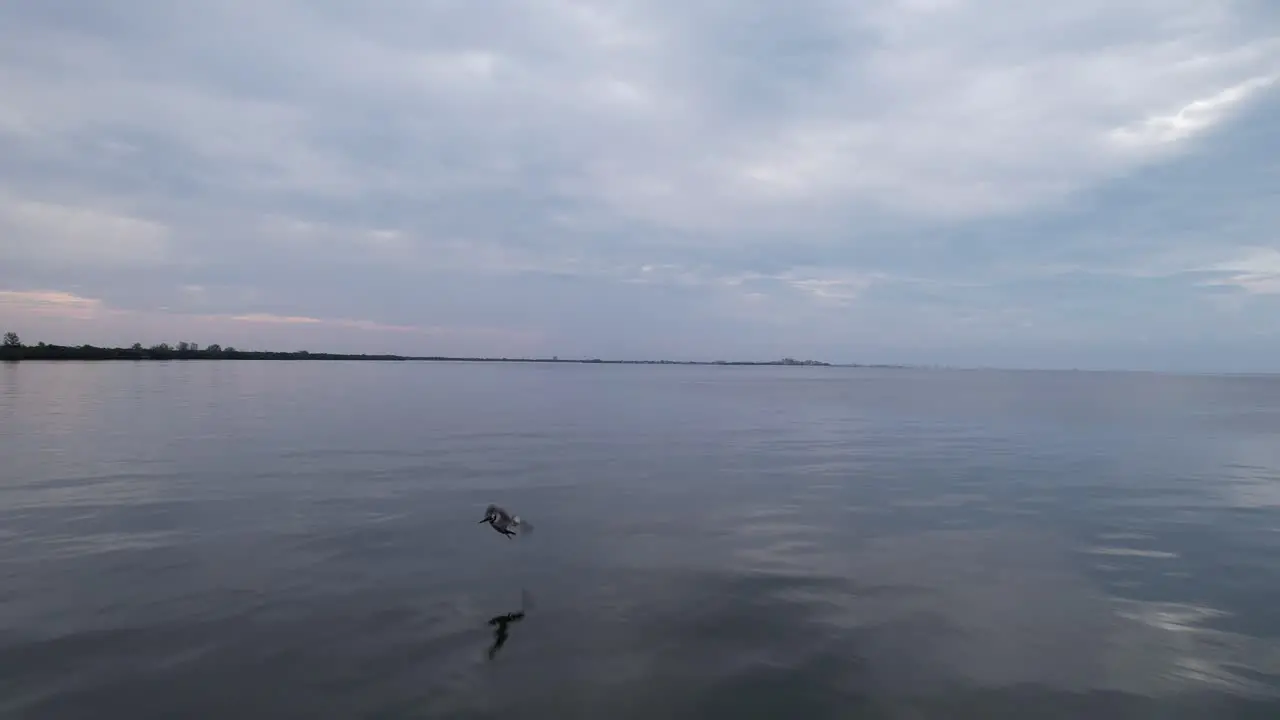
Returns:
(859,181)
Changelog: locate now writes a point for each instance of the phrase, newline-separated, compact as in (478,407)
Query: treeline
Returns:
(13,349)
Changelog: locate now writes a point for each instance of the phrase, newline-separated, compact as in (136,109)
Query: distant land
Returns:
(12,349)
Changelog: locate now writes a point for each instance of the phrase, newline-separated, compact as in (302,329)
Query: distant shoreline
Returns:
(189,351)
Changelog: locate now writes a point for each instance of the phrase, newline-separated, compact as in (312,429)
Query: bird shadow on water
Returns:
(501,623)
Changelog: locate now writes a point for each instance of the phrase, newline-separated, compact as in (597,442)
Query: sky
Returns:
(1093,184)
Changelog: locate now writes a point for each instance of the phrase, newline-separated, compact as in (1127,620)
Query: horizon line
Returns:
(164,351)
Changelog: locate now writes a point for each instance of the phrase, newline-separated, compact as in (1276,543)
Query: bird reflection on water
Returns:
(500,632)
(500,623)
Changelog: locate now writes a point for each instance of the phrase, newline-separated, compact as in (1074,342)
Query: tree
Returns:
(11,340)
(137,347)
(214,349)
(184,346)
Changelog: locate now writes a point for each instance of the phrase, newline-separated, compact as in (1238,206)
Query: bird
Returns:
(503,521)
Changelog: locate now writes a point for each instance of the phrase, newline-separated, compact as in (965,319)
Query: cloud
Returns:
(50,303)
(337,323)
(963,110)
(623,176)
(49,312)
(1193,118)
(1257,272)
(57,233)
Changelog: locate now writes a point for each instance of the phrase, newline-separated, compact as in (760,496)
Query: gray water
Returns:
(300,540)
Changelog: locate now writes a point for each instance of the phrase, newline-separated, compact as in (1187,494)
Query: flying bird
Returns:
(504,522)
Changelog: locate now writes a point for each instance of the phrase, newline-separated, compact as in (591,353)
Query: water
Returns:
(300,540)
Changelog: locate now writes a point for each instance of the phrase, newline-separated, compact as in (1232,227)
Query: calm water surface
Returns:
(300,540)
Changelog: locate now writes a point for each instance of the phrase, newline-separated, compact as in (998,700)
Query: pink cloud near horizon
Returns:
(62,317)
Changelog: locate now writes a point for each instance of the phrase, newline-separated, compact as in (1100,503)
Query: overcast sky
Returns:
(1000,182)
